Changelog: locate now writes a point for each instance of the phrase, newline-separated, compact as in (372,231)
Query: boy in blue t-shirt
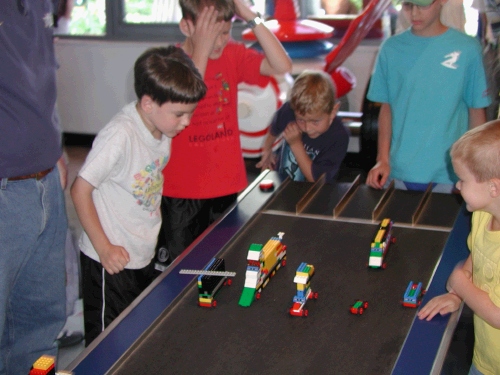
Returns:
(431,83)
(316,140)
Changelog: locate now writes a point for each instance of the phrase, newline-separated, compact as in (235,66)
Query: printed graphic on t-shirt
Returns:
(212,113)
(451,60)
(289,166)
(148,184)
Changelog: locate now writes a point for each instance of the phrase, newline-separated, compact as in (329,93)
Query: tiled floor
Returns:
(73,324)
(460,353)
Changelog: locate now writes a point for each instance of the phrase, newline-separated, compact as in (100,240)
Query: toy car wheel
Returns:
(365,305)
(305,312)
(384,266)
(315,295)
(360,311)
(393,240)
(229,281)
(214,303)
(283,262)
(257,296)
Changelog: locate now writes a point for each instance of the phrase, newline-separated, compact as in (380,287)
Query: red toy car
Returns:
(359,307)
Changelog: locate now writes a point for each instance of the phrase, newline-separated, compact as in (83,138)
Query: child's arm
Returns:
(203,36)
(460,282)
(113,258)
(277,60)
(477,116)
(268,159)
(293,136)
(379,174)
(445,303)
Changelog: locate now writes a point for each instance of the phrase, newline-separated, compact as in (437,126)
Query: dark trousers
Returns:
(183,220)
(119,291)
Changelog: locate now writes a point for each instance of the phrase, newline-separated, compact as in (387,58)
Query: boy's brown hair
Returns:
(313,92)
(191,9)
(479,151)
(167,74)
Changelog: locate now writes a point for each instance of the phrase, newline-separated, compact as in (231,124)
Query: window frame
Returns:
(117,29)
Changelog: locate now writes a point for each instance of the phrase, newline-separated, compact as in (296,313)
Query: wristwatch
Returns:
(256,21)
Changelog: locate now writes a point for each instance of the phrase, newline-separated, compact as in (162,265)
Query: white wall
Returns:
(95,79)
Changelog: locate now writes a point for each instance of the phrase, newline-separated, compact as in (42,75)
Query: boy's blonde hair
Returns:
(313,92)
(479,151)
(191,9)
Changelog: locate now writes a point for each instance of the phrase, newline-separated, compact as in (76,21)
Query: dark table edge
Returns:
(426,345)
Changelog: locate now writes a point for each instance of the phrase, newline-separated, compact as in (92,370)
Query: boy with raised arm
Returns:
(207,170)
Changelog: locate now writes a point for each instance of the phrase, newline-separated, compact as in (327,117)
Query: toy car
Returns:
(359,307)
(210,281)
(262,263)
(413,295)
(302,278)
(380,244)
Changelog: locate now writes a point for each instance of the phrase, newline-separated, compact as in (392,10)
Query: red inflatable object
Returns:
(288,28)
(344,80)
(293,31)
(355,33)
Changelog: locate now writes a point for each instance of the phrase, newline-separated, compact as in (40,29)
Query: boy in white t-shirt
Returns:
(117,193)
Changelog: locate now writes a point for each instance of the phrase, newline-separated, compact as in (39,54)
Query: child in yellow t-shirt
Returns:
(476,161)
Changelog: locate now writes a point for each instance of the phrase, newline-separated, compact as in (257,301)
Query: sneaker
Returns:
(67,338)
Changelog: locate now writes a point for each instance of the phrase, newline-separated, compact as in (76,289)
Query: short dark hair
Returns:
(167,74)
(191,9)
